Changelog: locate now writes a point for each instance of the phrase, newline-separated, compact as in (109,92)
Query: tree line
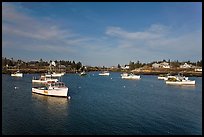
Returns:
(40,64)
(174,64)
(72,65)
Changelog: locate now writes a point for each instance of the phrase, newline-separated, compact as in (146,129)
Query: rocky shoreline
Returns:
(189,73)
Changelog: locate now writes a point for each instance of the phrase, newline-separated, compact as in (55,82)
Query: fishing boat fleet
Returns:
(49,84)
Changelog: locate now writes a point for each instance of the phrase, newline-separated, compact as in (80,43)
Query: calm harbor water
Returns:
(102,105)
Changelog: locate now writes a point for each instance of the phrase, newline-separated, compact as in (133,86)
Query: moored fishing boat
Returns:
(54,74)
(163,76)
(130,76)
(180,81)
(83,73)
(52,89)
(104,73)
(180,75)
(17,74)
(44,79)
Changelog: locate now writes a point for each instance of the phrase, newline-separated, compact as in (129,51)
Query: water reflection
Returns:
(51,100)
(184,87)
(53,105)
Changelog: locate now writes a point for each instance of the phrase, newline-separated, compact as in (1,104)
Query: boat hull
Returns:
(17,75)
(181,82)
(83,74)
(54,75)
(163,78)
(44,81)
(104,74)
(60,92)
(130,77)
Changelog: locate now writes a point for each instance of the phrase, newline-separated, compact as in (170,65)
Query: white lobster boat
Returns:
(44,79)
(180,81)
(104,73)
(163,76)
(183,82)
(17,74)
(52,89)
(83,73)
(130,76)
(55,74)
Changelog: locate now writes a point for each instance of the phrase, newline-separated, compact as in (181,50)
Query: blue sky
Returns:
(102,33)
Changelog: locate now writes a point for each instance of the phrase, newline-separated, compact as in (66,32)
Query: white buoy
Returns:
(15,87)
(69,97)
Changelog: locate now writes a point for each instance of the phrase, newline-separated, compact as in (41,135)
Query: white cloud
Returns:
(154,32)
(158,28)
(157,41)
(23,27)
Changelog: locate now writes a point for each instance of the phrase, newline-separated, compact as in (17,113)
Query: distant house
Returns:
(155,65)
(161,65)
(113,67)
(198,69)
(125,67)
(185,65)
(62,66)
(165,65)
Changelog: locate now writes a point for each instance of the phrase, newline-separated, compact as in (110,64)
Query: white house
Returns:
(161,65)
(125,67)
(198,69)
(185,65)
(155,65)
(165,65)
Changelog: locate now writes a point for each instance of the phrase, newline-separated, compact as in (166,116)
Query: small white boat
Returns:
(180,81)
(162,76)
(168,77)
(175,77)
(55,74)
(52,89)
(104,73)
(130,76)
(183,82)
(17,74)
(44,79)
(83,73)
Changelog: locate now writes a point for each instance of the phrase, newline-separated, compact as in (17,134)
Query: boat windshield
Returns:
(60,84)
(41,87)
(57,84)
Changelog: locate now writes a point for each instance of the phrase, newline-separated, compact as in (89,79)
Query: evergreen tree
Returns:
(119,66)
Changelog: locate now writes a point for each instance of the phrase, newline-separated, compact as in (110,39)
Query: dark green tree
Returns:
(119,66)
(78,65)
